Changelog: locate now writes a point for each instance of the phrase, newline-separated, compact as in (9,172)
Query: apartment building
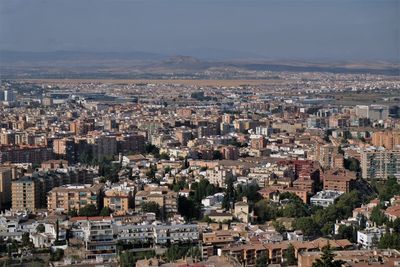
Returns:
(379,163)
(165,198)
(100,243)
(339,180)
(25,154)
(119,199)
(25,194)
(73,197)
(5,186)
(387,139)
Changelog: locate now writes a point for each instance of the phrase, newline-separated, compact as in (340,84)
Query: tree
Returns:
(40,228)
(352,164)
(25,239)
(262,260)
(377,216)
(289,255)
(327,259)
(217,155)
(188,208)
(89,210)
(57,230)
(347,232)
(73,212)
(389,240)
(264,211)
(229,196)
(164,155)
(279,227)
(56,255)
(152,207)
(307,225)
(106,211)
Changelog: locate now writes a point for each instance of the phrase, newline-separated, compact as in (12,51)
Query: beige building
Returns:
(119,200)
(389,139)
(242,210)
(25,194)
(165,198)
(73,197)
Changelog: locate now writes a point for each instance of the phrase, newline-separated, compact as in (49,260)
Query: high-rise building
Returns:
(103,146)
(373,112)
(327,155)
(183,135)
(9,96)
(25,194)
(378,112)
(5,185)
(379,163)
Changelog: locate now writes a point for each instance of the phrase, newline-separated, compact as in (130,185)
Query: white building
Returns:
(325,198)
(369,237)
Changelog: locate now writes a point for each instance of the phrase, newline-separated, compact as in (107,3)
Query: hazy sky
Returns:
(298,29)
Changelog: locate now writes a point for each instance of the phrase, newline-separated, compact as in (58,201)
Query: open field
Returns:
(226,83)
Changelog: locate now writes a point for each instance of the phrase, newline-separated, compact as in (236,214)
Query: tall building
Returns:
(65,149)
(362,111)
(373,112)
(5,186)
(183,136)
(327,155)
(378,112)
(131,143)
(378,163)
(25,194)
(103,146)
(9,96)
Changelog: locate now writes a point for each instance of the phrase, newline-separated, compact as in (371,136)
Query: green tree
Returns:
(327,259)
(164,155)
(264,211)
(352,164)
(89,210)
(347,232)
(188,208)
(40,228)
(151,206)
(389,240)
(279,227)
(229,196)
(289,255)
(105,211)
(217,155)
(377,216)
(307,225)
(262,260)
(57,255)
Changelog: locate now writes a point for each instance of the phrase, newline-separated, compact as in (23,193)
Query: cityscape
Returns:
(157,159)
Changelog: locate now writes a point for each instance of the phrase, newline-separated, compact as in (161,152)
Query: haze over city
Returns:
(312,30)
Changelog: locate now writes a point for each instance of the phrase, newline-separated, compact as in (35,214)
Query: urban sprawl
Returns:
(299,170)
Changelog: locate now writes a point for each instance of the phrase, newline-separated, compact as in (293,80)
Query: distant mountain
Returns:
(144,64)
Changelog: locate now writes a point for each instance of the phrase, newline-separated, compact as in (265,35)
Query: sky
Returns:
(271,29)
